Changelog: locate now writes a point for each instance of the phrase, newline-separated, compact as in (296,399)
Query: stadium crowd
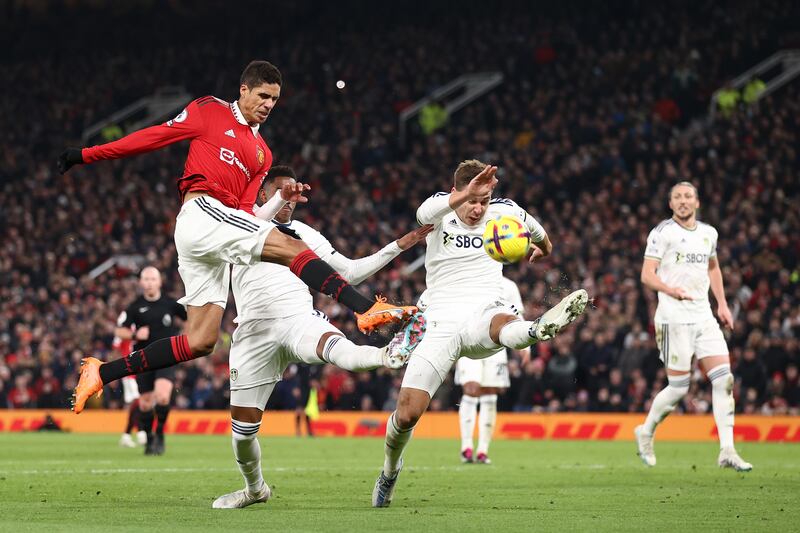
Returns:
(589,128)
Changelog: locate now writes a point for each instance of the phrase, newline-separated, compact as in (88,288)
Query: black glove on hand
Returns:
(69,158)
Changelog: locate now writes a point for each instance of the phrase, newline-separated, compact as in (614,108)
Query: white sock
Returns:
(486,422)
(516,335)
(665,401)
(350,356)
(722,403)
(466,418)
(248,453)
(396,441)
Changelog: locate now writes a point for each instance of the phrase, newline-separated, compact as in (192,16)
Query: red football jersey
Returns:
(227,158)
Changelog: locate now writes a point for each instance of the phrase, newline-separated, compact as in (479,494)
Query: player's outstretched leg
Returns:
(317,274)
(722,403)
(248,457)
(520,334)
(663,404)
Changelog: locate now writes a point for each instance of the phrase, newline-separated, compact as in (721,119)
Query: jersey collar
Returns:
(237,113)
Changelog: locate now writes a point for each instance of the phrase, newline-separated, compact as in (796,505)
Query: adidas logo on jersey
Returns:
(230,133)
(453,223)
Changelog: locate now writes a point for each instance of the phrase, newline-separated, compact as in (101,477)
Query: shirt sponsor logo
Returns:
(228,156)
(463,241)
(691,258)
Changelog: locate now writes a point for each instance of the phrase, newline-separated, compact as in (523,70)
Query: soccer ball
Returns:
(506,239)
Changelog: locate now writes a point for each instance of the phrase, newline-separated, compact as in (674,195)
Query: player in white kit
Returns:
(680,262)
(277,325)
(465,314)
(482,380)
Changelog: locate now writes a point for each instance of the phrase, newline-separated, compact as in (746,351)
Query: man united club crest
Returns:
(260,156)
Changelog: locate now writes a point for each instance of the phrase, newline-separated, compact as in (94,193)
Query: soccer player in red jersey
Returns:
(216,227)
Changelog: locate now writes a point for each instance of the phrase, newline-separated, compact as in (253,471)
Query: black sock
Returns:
(319,275)
(160,354)
(161,417)
(146,419)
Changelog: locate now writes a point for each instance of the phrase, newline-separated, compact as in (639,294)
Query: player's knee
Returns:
(406,418)
(472,389)
(202,345)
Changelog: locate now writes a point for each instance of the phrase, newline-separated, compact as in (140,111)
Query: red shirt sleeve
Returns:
(187,125)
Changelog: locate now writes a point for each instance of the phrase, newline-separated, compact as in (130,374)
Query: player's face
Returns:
(471,212)
(150,281)
(285,214)
(256,104)
(684,202)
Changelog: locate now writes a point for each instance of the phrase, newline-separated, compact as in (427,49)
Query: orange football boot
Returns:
(382,313)
(88,384)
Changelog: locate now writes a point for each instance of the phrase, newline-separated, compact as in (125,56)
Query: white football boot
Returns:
(383,492)
(728,458)
(559,316)
(645,444)
(126,441)
(397,352)
(242,498)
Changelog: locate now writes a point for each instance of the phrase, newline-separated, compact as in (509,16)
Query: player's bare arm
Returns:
(717,287)
(652,281)
(413,237)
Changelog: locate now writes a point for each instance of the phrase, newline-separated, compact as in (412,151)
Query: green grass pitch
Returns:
(62,482)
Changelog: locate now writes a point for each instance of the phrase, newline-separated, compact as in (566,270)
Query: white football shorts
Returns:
(489,372)
(262,349)
(446,340)
(677,343)
(209,237)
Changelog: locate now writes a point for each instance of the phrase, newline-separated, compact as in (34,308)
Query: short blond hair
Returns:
(466,171)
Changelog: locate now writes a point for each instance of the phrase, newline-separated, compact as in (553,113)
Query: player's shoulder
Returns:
(665,226)
(502,201)
(707,228)
(211,102)
(438,194)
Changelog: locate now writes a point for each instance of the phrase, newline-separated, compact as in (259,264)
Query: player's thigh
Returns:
(303,339)
(434,356)
(710,346)
(202,327)
(207,230)
(675,347)
(281,248)
(476,338)
(256,355)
